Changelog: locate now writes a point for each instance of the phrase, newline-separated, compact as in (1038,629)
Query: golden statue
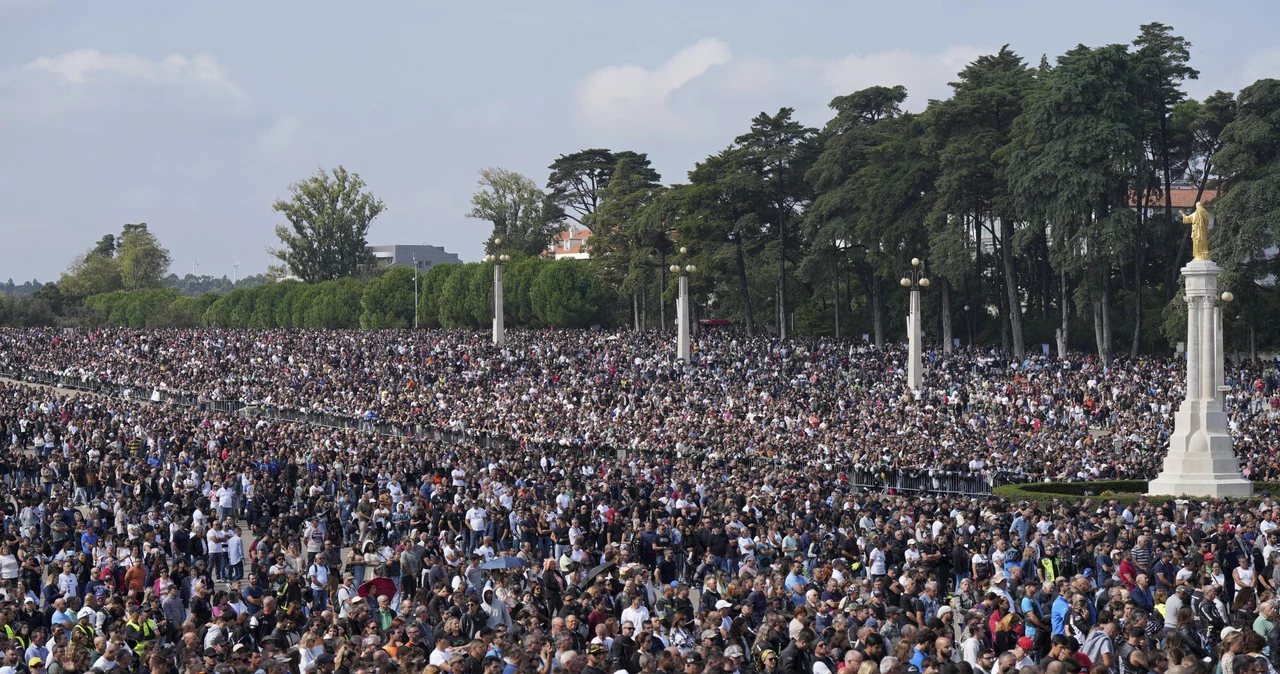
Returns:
(1199,221)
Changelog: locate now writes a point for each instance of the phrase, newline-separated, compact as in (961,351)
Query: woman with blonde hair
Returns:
(1006,635)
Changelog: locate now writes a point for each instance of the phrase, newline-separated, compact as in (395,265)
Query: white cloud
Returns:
(704,88)
(924,75)
(632,97)
(279,139)
(90,78)
(1260,64)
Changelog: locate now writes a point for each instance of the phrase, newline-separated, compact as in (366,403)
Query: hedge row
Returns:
(536,293)
(1125,492)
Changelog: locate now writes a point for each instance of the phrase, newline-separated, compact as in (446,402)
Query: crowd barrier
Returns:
(865,478)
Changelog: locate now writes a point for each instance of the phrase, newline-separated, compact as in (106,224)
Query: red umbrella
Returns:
(378,587)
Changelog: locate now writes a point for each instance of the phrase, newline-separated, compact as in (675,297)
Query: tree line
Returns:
(1040,198)
(1021,193)
(537,293)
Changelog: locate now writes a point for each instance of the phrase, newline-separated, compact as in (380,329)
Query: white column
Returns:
(1218,365)
(1200,461)
(682,315)
(1193,348)
(1208,389)
(499,333)
(914,379)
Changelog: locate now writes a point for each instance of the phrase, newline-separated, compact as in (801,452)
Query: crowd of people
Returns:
(814,399)
(728,539)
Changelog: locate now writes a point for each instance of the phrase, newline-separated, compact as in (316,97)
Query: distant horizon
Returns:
(193,120)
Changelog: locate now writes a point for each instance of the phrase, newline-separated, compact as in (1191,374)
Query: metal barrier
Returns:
(911,481)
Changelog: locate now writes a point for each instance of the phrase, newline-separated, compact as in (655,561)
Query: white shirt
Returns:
(235,549)
(214,538)
(321,572)
(475,518)
(877,562)
(636,616)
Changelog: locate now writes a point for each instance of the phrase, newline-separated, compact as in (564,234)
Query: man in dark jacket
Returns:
(622,654)
(794,659)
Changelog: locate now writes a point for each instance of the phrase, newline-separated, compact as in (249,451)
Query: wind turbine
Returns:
(235,269)
(194,264)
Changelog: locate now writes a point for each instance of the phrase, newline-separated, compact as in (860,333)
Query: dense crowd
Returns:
(814,399)
(156,538)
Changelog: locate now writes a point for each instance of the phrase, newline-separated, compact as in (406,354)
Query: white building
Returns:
(572,242)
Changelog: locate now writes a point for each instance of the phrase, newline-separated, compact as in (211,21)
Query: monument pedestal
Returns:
(1200,460)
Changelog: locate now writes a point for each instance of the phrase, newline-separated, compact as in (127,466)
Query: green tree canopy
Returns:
(567,295)
(521,215)
(577,180)
(388,300)
(329,217)
(143,261)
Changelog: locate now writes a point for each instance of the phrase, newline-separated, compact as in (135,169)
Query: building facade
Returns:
(571,243)
(403,256)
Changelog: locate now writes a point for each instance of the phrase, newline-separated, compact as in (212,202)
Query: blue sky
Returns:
(194,116)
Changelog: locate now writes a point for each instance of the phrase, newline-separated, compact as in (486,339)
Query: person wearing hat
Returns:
(84,623)
(735,656)
(596,655)
(1181,597)
(891,628)
(35,665)
(1000,586)
(693,662)
(139,629)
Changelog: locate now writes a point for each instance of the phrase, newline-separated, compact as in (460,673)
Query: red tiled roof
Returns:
(573,233)
(1182,198)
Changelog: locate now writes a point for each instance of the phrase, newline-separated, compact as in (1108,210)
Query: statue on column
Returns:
(1199,221)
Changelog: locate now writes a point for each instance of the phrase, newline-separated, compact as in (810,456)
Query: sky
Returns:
(195,116)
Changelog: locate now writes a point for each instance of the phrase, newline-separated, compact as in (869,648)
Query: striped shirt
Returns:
(1142,559)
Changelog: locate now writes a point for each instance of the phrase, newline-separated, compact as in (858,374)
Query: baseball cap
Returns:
(722,604)
(733,651)
(1025,643)
(693,658)
(596,649)
(35,662)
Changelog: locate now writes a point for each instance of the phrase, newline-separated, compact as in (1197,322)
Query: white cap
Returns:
(85,612)
(722,604)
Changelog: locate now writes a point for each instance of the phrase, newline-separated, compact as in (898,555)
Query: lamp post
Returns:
(499,333)
(415,291)
(914,280)
(682,307)
(968,326)
(840,246)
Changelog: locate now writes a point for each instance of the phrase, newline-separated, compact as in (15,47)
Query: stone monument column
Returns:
(1201,461)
